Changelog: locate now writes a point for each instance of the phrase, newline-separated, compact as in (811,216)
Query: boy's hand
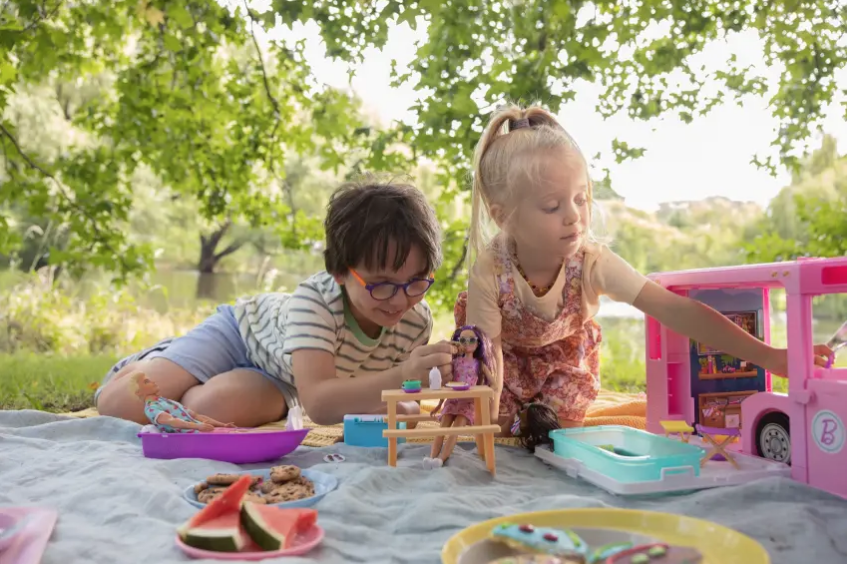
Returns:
(424,358)
(821,355)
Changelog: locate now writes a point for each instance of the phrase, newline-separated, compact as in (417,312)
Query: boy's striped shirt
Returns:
(316,316)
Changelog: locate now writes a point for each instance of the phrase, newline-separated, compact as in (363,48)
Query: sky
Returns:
(708,157)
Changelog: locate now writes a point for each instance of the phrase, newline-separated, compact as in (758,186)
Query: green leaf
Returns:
(172,43)
(180,15)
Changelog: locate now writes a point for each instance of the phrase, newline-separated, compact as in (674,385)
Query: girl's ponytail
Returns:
(480,182)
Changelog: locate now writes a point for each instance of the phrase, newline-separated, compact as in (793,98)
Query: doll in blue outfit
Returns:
(168,415)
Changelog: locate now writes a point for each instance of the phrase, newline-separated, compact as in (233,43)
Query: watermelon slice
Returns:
(221,534)
(220,520)
(275,528)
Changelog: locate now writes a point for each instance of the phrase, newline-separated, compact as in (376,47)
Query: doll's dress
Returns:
(466,370)
(153,408)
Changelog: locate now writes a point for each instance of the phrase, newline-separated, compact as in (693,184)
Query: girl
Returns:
(535,287)
(473,366)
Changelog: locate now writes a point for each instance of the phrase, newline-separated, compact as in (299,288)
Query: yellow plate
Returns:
(718,544)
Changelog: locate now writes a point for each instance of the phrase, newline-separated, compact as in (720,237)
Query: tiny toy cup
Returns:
(412,386)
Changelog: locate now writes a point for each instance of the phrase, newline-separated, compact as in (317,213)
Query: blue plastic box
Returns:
(629,455)
(367,430)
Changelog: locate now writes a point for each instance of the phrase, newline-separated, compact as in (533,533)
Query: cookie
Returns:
(200,487)
(268,486)
(291,491)
(541,540)
(657,554)
(252,497)
(210,494)
(281,474)
(223,479)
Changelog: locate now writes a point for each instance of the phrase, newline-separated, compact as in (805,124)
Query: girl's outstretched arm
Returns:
(705,325)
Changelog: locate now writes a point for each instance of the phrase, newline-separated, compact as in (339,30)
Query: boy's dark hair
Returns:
(365,217)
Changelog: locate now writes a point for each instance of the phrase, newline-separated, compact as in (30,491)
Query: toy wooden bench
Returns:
(484,431)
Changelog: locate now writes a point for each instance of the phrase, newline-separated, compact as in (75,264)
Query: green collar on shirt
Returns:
(352,324)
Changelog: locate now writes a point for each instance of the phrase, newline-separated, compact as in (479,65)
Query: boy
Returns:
(343,336)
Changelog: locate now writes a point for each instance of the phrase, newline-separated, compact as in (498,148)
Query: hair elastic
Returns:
(519,123)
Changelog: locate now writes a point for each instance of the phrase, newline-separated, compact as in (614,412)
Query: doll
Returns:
(168,415)
(472,365)
(534,423)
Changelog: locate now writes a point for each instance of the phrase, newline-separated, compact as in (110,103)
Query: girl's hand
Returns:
(821,355)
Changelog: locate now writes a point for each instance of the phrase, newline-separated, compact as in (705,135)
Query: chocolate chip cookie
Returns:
(282,474)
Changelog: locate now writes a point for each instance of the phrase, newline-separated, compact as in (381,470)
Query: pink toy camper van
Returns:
(690,382)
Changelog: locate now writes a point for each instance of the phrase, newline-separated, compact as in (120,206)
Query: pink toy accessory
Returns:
(813,412)
(28,544)
(303,543)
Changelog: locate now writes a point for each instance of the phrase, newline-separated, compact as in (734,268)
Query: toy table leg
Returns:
(391,423)
(720,450)
(488,438)
(479,437)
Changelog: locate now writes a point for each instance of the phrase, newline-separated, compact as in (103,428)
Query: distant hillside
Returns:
(680,234)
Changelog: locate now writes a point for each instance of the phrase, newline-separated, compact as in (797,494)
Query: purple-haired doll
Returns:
(473,365)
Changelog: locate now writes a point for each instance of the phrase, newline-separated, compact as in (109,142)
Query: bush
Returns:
(38,316)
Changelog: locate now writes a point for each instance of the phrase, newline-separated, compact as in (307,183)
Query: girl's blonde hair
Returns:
(505,153)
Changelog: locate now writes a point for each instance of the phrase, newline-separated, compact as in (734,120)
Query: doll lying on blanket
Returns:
(168,415)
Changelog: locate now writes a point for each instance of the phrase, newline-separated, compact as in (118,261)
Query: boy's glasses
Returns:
(386,290)
(467,341)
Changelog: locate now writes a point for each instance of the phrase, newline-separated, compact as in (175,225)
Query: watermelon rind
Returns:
(215,540)
(259,529)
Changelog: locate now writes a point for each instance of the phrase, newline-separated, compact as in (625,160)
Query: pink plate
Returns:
(457,386)
(303,544)
(28,546)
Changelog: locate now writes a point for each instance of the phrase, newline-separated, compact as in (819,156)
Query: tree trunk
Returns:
(209,258)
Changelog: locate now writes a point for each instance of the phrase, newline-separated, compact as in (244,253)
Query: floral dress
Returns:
(555,362)
(465,370)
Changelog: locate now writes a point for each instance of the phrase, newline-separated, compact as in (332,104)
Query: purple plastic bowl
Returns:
(238,448)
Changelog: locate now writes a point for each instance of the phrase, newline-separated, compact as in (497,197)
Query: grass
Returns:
(50,383)
(59,383)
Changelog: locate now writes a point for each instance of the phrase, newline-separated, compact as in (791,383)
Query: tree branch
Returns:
(43,17)
(92,222)
(274,103)
(231,248)
(458,266)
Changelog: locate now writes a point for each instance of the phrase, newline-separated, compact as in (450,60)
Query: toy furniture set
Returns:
(484,433)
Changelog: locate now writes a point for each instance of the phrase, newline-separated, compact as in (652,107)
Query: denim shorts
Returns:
(213,347)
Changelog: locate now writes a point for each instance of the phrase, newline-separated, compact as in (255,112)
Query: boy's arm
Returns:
(327,399)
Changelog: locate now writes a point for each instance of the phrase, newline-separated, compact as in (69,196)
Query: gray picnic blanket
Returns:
(116,506)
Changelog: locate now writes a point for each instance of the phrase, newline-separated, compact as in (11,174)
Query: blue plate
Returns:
(324,484)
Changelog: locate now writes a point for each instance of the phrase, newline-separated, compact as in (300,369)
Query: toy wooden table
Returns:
(718,450)
(484,431)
